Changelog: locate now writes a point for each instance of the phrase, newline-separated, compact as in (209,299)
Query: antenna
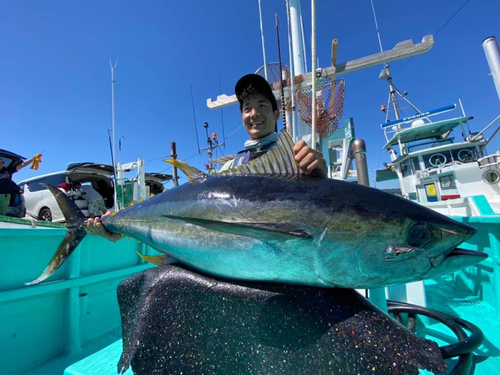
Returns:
(212,144)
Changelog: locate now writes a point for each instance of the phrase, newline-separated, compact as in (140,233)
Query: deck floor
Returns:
(486,359)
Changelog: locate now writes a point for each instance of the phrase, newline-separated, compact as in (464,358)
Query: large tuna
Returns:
(250,224)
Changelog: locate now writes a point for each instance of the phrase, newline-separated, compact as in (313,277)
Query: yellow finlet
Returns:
(157,260)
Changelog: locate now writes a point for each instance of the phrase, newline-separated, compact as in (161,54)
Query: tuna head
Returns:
(386,240)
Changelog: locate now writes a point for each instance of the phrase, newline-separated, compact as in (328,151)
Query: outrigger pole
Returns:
(113,149)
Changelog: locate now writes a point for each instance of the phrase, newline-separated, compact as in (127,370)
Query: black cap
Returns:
(253,84)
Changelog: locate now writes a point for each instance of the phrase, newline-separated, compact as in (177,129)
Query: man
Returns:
(6,181)
(259,114)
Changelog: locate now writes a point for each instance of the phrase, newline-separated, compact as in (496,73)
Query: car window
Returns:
(55,180)
(36,185)
(39,184)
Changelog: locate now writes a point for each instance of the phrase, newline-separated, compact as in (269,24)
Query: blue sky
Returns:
(55,90)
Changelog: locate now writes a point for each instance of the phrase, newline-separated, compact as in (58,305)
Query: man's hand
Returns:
(311,162)
(95,227)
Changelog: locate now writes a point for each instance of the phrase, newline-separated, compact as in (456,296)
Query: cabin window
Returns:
(465,154)
(416,164)
(437,159)
(406,168)
(447,182)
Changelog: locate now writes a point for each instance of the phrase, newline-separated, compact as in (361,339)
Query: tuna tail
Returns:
(75,234)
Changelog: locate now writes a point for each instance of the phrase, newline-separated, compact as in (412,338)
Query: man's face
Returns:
(258,116)
(1,164)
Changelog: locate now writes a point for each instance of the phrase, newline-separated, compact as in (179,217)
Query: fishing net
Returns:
(329,104)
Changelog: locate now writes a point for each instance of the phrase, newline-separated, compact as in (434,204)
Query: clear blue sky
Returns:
(55,90)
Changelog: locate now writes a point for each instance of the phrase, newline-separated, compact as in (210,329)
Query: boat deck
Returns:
(486,358)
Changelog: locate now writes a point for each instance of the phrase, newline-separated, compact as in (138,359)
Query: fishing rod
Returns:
(283,110)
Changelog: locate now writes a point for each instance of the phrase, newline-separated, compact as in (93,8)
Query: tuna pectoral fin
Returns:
(68,245)
(158,260)
(260,231)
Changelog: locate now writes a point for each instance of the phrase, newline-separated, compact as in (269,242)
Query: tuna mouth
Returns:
(454,260)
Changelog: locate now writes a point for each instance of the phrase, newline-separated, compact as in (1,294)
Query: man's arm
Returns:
(26,163)
(311,162)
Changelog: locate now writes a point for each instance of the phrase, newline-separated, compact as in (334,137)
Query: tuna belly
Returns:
(236,257)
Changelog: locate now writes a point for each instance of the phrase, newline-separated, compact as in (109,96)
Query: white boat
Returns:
(441,164)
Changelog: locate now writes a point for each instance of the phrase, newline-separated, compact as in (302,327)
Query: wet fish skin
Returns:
(299,230)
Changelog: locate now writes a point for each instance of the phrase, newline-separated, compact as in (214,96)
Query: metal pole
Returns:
(299,58)
(115,196)
(313,71)
(173,151)
(263,43)
(376,295)
(492,52)
(359,150)
(292,71)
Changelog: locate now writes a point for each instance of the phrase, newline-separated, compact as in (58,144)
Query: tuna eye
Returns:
(419,235)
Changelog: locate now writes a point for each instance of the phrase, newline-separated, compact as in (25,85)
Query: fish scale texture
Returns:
(176,321)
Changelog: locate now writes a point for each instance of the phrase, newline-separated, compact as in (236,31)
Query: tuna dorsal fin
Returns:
(279,160)
(192,173)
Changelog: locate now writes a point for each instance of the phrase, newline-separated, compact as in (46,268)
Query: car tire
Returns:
(45,214)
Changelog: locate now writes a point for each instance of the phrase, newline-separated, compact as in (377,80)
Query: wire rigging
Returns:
(376,27)
(437,32)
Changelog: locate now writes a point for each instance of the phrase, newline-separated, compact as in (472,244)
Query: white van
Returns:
(41,204)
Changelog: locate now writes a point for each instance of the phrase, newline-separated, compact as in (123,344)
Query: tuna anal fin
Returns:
(67,246)
(259,231)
